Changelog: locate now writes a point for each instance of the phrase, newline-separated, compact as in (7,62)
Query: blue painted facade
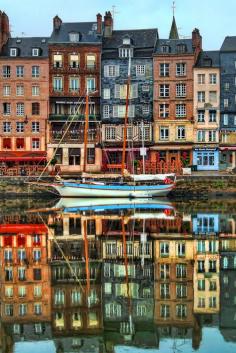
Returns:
(205,223)
(206,158)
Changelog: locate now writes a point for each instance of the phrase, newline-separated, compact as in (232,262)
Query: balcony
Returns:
(79,117)
(75,136)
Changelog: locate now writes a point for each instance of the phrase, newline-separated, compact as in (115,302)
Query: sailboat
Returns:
(124,185)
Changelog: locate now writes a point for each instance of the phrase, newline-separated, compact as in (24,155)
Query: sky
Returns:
(214,18)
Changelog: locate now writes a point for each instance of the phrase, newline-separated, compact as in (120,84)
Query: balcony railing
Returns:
(79,117)
(75,136)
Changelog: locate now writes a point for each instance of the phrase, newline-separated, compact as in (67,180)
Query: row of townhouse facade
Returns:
(182,102)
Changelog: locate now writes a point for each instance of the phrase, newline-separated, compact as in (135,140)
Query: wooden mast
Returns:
(86,253)
(86,128)
(126,119)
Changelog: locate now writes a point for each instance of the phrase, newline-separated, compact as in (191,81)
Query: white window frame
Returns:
(6,90)
(20,127)
(180,110)
(164,90)
(35,90)
(164,69)
(20,109)
(164,110)
(180,90)
(35,51)
(106,111)
(111,70)
(213,78)
(164,133)
(106,93)
(181,69)
(140,70)
(20,90)
(13,51)
(226,119)
(181,132)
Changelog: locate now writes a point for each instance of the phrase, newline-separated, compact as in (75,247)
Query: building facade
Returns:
(74,67)
(24,102)
(173,63)
(118,46)
(207,111)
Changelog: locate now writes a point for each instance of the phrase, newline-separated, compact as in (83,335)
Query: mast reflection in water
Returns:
(92,276)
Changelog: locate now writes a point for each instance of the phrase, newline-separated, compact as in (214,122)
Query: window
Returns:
(201,246)
(164,271)
(22,309)
(74,156)
(201,116)
(165,49)
(180,249)
(235,120)
(164,290)
(36,255)
(35,108)
(212,97)
(226,103)
(37,291)
(8,255)
(35,71)
(110,133)
(145,109)
(165,310)
(20,143)
(225,119)
(106,111)
(181,48)
(9,291)
(164,70)
(181,290)
(111,70)
(164,110)
(201,136)
(35,91)
(121,91)
(6,108)
(6,126)
(20,109)
(164,249)
(226,86)
(90,84)
(201,302)
(140,70)
(35,52)
(20,126)
(212,302)
(145,88)
(213,79)
(9,309)
(212,136)
(164,133)
(6,91)
(19,90)
(76,297)
(59,297)
(37,274)
(8,274)
(35,126)
(74,37)
(74,61)
(212,266)
(201,79)
(37,308)
(180,132)
(74,84)
(181,90)
(119,111)
(6,143)
(164,90)
(91,156)
(181,69)
(20,71)
(22,291)
(112,310)
(201,96)
(106,93)
(57,84)
(180,110)
(21,273)
(91,61)
(125,52)
(6,71)
(212,246)
(212,116)
(181,270)
(181,311)
(57,60)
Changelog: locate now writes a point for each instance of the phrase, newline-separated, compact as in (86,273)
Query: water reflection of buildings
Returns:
(25,280)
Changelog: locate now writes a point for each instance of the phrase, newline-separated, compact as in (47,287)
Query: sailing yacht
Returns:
(124,185)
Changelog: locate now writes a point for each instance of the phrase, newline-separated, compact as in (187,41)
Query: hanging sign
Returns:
(143,151)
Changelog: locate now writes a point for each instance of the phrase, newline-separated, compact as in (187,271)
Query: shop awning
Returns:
(22,156)
(115,149)
(171,148)
(23,229)
(228,148)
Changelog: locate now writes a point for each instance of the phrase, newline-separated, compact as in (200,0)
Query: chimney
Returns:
(57,23)
(99,23)
(4,29)
(196,42)
(108,24)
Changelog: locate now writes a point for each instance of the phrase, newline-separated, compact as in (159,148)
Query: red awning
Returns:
(115,149)
(23,229)
(229,148)
(22,156)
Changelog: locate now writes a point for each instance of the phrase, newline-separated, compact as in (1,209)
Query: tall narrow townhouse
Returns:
(118,46)
(228,103)
(173,62)
(207,111)
(23,101)
(74,68)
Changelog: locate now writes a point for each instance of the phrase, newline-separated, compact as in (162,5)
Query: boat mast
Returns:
(86,253)
(86,127)
(126,119)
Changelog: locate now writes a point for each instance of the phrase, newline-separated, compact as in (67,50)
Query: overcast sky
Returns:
(215,18)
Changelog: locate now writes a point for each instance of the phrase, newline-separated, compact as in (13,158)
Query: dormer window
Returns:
(165,49)
(35,52)
(74,37)
(13,52)
(181,48)
(125,52)
(126,41)
(207,62)
(18,40)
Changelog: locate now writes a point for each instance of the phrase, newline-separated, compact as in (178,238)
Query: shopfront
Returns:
(206,159)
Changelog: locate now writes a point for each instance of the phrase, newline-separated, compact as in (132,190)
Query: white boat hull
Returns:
(81,190)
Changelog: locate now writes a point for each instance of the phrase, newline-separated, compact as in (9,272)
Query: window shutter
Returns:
(106,70)
(134,90)
(115,111)
(117,70)
(117,91)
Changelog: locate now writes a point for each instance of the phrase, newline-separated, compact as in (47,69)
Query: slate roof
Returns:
(229,44)
(25,46)
(172,43)
(213,55)
(141,38)
(87,30)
